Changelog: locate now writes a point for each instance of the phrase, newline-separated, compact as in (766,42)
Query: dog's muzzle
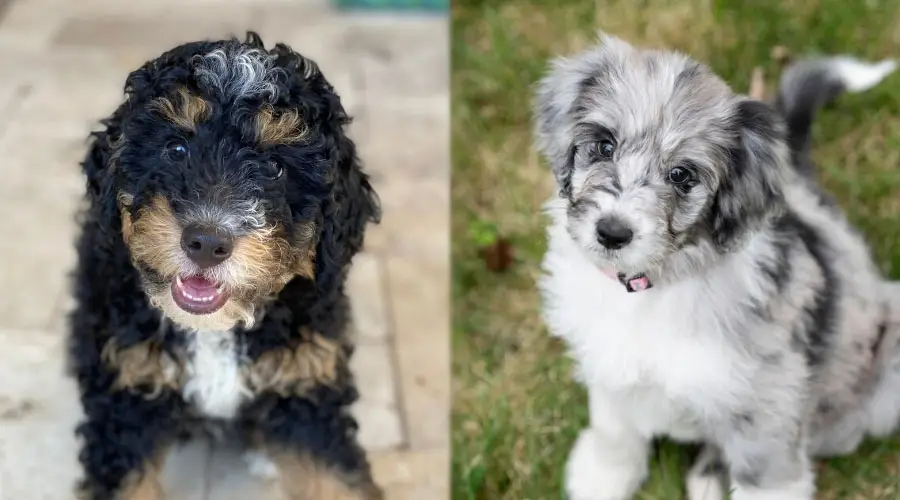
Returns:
(635,283)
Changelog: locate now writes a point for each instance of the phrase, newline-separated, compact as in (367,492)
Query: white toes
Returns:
(259,465)
(803,489)
(704,488)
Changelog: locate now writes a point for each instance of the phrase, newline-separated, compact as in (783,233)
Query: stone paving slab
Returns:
(366,284)
(187,472)
(42,187)
(230,479)
(415,219)
(421,327)
(38,413)
(413,475)
(423,122)
(27,24)
(378,410)
(68,108)
(152,33)
(10,93)
(402,65)
(64,64)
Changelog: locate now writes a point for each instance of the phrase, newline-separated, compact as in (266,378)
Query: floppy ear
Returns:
(557,103)
(352,203)
(100,174)
(752,187)
(351,206)
(554,100)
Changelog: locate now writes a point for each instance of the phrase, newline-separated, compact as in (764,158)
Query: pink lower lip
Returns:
(197,295)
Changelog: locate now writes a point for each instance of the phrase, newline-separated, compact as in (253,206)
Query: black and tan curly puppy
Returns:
(226,204)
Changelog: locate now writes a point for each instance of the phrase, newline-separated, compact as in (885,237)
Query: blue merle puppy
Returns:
(708,288)
(225,205)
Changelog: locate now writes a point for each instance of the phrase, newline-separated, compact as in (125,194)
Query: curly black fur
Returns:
(322,182)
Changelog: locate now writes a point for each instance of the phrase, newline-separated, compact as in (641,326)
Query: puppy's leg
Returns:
(126,439)
(707,477)
(306,478)
(767,458)
(883,408)
(313,445)
(609,459)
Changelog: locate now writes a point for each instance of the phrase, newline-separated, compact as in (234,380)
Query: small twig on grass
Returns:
(757,84)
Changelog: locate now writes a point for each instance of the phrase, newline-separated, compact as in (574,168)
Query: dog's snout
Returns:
(207,246)
(613,234)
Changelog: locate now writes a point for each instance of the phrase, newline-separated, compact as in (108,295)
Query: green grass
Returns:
(516,410)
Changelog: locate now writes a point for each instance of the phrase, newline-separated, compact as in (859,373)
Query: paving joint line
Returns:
(391,340)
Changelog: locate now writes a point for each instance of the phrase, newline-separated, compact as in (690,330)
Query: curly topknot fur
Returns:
(247,144)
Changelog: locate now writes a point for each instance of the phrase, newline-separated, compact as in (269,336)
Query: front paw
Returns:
(590,475)
(803,489)
(260,465)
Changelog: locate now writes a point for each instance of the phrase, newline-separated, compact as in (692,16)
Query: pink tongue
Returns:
(196,285)
(639,284)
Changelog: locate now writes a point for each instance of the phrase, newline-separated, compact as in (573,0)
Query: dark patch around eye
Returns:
(588,135)
(692,171)
(612,190)
(176,151)
(570,154)
(566,178)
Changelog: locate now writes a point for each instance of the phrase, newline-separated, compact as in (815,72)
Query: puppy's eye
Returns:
(679,175)
(605,149)
(176,151)
(273,170)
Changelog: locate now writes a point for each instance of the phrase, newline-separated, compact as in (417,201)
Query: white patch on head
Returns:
(215,384)
(238,73)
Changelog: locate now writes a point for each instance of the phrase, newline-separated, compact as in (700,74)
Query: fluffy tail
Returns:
(809,84)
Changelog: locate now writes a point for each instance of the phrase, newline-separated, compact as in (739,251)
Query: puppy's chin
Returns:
(228,316)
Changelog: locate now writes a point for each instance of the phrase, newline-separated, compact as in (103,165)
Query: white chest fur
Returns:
(215,385)
(664,353)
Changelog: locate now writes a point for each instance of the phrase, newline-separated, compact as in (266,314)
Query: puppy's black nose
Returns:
(205,245)
(613,234)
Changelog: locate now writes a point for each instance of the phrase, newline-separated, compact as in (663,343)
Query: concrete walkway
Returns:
(62,66)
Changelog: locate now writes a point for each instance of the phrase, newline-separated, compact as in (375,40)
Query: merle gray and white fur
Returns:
(761,327)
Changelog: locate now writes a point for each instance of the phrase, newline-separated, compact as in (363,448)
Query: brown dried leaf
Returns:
(498,256)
